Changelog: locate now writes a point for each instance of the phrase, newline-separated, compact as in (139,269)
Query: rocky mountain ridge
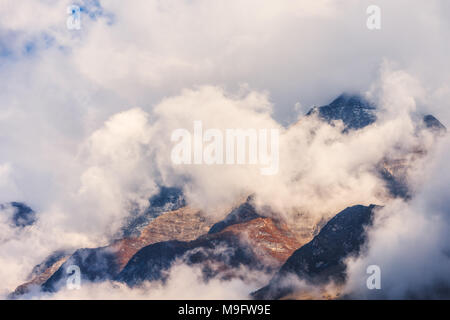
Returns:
(169,231)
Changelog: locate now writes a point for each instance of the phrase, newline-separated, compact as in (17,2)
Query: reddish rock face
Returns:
(320,262)
(39,278)
(184,224)
(272,241)
(260,244)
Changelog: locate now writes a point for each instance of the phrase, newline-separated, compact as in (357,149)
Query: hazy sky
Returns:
(298,51)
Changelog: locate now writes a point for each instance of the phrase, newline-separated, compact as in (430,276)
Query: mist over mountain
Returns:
(90,109)
(248,240)
(353,110)
(322,260)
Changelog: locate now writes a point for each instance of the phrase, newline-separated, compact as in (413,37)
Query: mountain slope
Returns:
(105,263)
(354,111)
(434,124)
(243,213)
(258,244)
(321,260)
(22,215)
(41,273)
(253,241)
(168,230)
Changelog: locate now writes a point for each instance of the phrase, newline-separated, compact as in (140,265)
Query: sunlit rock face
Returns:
(184,224)
(258,244)
(105,263)
(356,113)
(255,242)
(42,272)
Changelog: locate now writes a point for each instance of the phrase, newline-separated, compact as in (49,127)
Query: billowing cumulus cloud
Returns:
(183,282)
(410,242)
(86,116)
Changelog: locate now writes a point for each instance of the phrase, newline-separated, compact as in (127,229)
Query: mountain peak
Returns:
(433,124)
(352,100)
(353,109)
(22,215)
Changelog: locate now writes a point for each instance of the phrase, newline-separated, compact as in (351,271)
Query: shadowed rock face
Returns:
(394,173)
(434,124)
(23,215)
(261,244)
(42,272)
(105,263)
(168,230)
(354,111)
(217,254)
(95,265)
(165,219)
(184,224)
(167,199)
(321,260)
(243,213)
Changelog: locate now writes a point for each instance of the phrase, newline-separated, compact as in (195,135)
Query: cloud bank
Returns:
(86,116)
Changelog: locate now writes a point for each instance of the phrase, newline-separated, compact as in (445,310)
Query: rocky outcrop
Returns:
(41,273)
(354,111)
(322,259)
(105,263)
(22,215)
(258,244)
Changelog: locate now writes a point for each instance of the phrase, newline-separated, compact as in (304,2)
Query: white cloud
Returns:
(410,242)
(86,116)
